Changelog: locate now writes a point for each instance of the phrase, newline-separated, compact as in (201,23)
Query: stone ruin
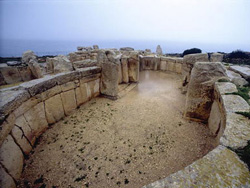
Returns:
(27,110)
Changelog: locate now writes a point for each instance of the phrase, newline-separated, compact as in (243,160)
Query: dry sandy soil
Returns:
(128,143)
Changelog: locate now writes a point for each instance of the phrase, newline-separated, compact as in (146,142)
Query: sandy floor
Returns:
(129,142)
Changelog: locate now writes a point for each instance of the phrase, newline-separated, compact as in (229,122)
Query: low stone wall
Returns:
(27,110)
(172,64)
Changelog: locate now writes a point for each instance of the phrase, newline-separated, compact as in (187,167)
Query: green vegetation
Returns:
(238,54)
(244,154)
(223,80)
(237,57)
(192,51)
(246,114)
(243,92)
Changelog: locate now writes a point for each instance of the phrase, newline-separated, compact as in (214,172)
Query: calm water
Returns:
(15,48)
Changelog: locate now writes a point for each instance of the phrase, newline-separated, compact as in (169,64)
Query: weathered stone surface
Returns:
(219,168)
(225,87)
(2,81)
(85,92)
(133,67)
(243,71)
(82,48)
(13,63)
(170,64)
(6,180)
(148,50)
(163,65)
(234,103)
(11,157)
(127,49)
(40,85)
(59,64)
(25,73)
(216,57)
(201,87)
(110,73)
(21,140)
(85,63)
(6,127)
(89,71)
(178,65)
(11,99)
(27,56)
(25,106)
(124,64)
(236,78)
(23,124)
(158,50)
(237,131)
(10,74)
(37,120)
(35,68)
(188,63)
(94,87)
(68,86)
(69,101)
(120,73)
(215,121)
(51,92)
(54,109)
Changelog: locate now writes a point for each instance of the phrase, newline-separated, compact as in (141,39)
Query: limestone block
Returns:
(133,69)
(221,167)
(158,50)
(59,64)
(94,87)
(54,109)
(6,127)
(24,126)
(234,103)
(11,157)
(68,86)
(37,120)
(124,64)
(11,99)
(215,121)
(243,71)
(171,66)
(79,98)
(38,86)
(6,180)
(236,78)
(35,68)
(84,63)
(120,73)
(178,68)
(163,66)
(27,56)
(21,140)
(216,57)
(25,73)
(51,92)
(25,106)
(237,131)
(200,90)
(2,81)
(65,77)
(69,101)
(225,87)
(85,92)
(11,74)
(157,63)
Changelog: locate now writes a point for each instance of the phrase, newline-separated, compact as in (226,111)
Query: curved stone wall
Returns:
(27,110)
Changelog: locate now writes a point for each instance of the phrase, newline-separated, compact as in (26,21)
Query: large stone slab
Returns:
(243,71)
(134,67)
(237,131)
(6,126)
(35,68)
(124,64)
(201,88)
(11,99)
(216,119)
(58,64)
(10,74)
(234,103)
(51,92)
(85,63)
(38,86)
(219,168)
(25,73)
(69,101)
(54,109)
(11,157)
(216,57)
(6,181)
(37,120)
(225,87)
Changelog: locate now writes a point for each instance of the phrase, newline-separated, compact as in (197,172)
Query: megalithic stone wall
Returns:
(200,90)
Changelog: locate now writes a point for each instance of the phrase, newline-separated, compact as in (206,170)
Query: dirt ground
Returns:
(128,143)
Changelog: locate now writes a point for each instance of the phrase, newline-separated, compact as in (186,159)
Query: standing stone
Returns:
(10,74)
(27,56)
(216,57)
(188,63)
(110,73)
(59,64)
(120,73)
(201,88)
(158,50)
(95,47)
(124,62)
(133,67)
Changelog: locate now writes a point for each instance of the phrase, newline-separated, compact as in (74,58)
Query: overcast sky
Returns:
(204,21)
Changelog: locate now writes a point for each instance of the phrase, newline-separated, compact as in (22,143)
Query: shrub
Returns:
(244,154)
(192,51)
(238,54)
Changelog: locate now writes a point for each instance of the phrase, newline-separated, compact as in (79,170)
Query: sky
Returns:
(220,22)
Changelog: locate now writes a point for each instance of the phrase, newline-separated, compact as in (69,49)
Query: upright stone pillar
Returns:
(133,67)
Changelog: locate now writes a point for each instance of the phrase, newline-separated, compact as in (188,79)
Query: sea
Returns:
(15,47)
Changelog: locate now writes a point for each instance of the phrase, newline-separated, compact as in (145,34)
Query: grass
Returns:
(223,80)
(246,114)
(243,92)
